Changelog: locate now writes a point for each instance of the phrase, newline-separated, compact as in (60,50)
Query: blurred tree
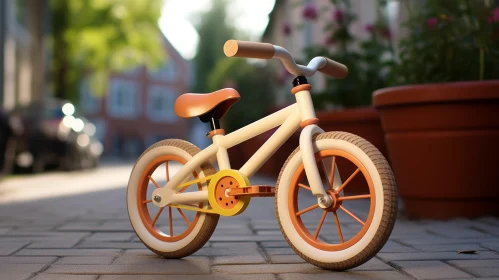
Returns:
(102,36)
(213,31)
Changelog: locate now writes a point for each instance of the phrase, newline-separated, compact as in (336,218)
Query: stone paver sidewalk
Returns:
(87,235)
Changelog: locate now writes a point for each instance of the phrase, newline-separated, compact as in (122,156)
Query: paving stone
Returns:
(27,260)
(4,230)
(54,244)
(241,245)
(451,230)
(266,268)
(276,259)
(269,232)
(227,252)
(140,259)
(275,244)
(78,226)
(431,270)
(244,259)
(22,268)
(489,229)
(191,277)
(111,245)
(11,247)
(46,276)
(394,247)
(190,265)
(255,238)
(415,242)
(349,275)
(373,265)
(280,251)
(492,246)
(68,252)
(451,248)
(15,276)
(483,271)
(85,260)
(436,256)
(110,236)
(475,263)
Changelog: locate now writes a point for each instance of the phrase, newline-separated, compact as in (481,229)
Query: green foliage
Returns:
(102,36)
(214,31)
(369,66)
(450,40)
(253,85)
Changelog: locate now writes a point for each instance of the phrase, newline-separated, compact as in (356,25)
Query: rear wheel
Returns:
(168,231)
(354,227)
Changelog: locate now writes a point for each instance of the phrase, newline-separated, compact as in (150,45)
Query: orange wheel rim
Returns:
(142,201)
(295,213)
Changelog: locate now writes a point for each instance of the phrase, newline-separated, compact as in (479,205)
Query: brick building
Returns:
(138,107)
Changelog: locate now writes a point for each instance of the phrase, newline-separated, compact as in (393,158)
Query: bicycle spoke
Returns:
(305,187)
(154,182)
(307,209)
(183,216)
(167,173)
(353,197)
(147,201)
(338,226)
(183,189)
(320,225)
(352,215)
(329,177)
(157,216)
(347,181)
(171,220)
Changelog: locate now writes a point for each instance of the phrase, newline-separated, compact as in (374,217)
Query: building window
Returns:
(167,72)
(123,99)
(88,101)
(160,102)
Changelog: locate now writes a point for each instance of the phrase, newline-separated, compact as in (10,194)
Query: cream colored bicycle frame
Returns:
(289,120)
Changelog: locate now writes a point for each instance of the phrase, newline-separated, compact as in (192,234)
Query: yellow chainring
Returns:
(218,198)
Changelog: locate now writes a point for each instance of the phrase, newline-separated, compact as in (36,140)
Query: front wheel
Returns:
(354,227)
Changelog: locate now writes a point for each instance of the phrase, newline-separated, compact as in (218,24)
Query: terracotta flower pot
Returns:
(364,122)
(443,141)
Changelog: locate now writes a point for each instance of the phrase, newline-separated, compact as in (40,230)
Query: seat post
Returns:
(215,134)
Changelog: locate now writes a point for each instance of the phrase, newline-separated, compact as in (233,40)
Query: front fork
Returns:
(312,169)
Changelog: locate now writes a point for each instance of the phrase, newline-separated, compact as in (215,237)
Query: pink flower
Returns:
(309,12)
(495,15)
(431,23)
(286,28)
(386,33)
(490,19)
(339,16)
(369,28)
(329,41)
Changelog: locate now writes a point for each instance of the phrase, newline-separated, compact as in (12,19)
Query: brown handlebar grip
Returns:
(334,69)
(248,49)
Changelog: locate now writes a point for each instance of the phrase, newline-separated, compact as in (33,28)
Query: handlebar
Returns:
(233,48)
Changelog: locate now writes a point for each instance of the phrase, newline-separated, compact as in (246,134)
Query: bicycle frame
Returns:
(288,119)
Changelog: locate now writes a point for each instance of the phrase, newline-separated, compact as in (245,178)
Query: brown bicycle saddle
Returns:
(191,105)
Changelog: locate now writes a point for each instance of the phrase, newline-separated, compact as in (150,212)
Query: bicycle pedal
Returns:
(253,191)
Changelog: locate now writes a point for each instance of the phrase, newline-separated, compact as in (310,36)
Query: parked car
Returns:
(5,133)
(54,134)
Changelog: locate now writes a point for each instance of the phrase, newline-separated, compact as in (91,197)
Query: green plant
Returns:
(101,36)
(449,40)
(369,64)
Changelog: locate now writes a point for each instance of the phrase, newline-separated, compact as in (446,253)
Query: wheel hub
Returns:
(336,202)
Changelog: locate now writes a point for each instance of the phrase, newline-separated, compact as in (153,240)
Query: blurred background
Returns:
(90,81)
